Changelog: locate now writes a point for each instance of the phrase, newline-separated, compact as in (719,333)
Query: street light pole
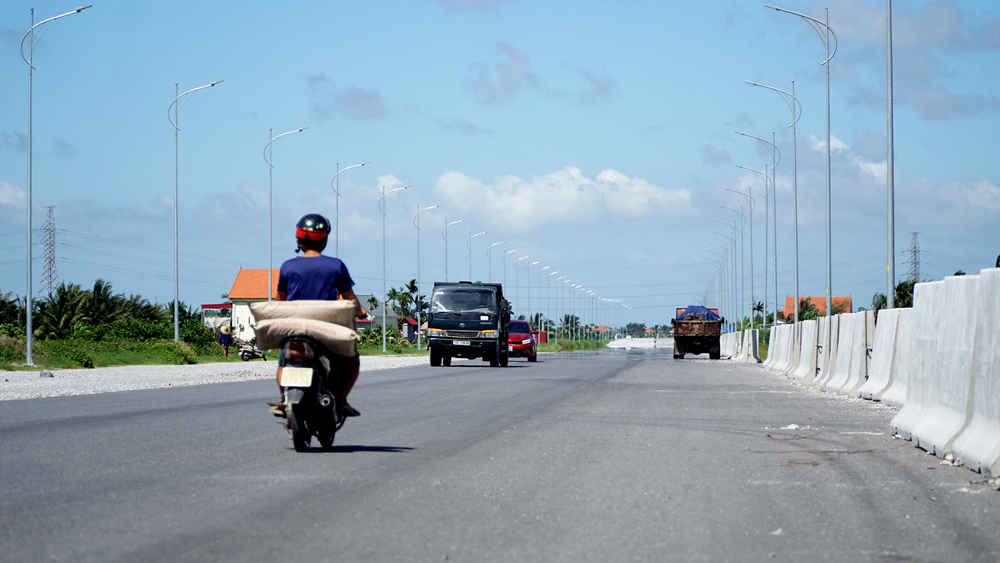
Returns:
(772,189)
(268,154)
(796,108)
(527,276)
(822,28)
(444,235)
(517,279)
(29,299)
(416,223)
(381,207)
(336,190)
(176,105)
(489,256)
(503,263)
(468,245)
(539,276)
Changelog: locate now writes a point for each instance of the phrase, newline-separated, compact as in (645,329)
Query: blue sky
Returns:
(594,136)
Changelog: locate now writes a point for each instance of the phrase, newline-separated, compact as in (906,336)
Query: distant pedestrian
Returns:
(225,338)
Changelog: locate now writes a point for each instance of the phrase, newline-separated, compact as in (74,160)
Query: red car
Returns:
(522,341)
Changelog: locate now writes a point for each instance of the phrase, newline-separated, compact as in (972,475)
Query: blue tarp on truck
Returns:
(698,312)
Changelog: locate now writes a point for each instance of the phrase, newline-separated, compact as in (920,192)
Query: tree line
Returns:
(98,313)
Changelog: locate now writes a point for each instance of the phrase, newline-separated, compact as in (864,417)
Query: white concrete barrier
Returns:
(902,359)
(749,354)
(927,297)
(978,446)
(848,333)
(861,356)
(883,353)
(828,347)
(805,370)
(790,358)
(771,352)
(950,382)
(777,349)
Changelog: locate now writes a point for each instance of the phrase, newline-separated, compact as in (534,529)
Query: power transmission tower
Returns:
(914,250)
(50,278)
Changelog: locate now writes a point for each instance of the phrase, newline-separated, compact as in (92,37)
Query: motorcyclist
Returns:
(315,276)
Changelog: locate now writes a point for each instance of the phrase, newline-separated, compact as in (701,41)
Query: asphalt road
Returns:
(605,456)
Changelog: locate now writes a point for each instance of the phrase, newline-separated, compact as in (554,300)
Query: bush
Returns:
(81,358)
(11,329)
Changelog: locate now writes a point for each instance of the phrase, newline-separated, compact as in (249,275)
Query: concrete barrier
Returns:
(861,356)
(883,354)
(805,370)
(828,348)
(950,382)
(777,349)
(978,446)
(793,350)
(772,352)
(788,360)
(902,359)
(772,342)
(920,358)
(749,354)
(847,336)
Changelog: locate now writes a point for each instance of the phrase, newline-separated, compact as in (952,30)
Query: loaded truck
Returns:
(468,320)
(697,330)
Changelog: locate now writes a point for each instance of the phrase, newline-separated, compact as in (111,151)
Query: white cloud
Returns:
(563,197)
(12,195)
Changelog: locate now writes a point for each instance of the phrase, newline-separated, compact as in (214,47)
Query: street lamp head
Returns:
(82,8)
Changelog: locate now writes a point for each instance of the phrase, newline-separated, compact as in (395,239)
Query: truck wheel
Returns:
(495,358)
(446,360)
(678,351)
(713,352)
(504,358)
(435,357)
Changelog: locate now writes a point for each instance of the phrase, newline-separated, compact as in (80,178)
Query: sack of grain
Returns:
(337,339)
(336,312)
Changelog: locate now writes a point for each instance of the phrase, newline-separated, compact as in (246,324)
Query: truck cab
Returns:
(468,320)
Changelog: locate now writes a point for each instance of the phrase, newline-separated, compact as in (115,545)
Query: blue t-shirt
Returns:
(319,277)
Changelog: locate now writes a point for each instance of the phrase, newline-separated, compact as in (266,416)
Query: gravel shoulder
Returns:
(18,385)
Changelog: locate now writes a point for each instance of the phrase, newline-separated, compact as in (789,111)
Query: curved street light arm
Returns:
(269,143)
(381,200)
(418,212)
(444,232)
(179,98)
(742,216)
(34,41)
(750,200)
(503,259)
(790,99)
(333,186)
(817,26)
(762,175)
(771,147)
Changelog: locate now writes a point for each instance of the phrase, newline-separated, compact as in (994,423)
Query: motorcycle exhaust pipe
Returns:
(325,400)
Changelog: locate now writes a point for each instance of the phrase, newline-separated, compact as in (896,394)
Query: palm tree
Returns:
(104,306)
(59,314)
(11,310)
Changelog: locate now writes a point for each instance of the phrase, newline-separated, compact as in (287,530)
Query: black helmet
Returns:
(313,227)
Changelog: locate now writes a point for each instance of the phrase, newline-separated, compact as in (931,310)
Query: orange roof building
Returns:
(819,303)
(251,284)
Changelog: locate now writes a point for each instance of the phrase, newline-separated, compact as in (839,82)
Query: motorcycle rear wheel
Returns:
(297,426)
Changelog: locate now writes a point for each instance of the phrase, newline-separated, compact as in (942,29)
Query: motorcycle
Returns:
(249,351)
(310,405)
